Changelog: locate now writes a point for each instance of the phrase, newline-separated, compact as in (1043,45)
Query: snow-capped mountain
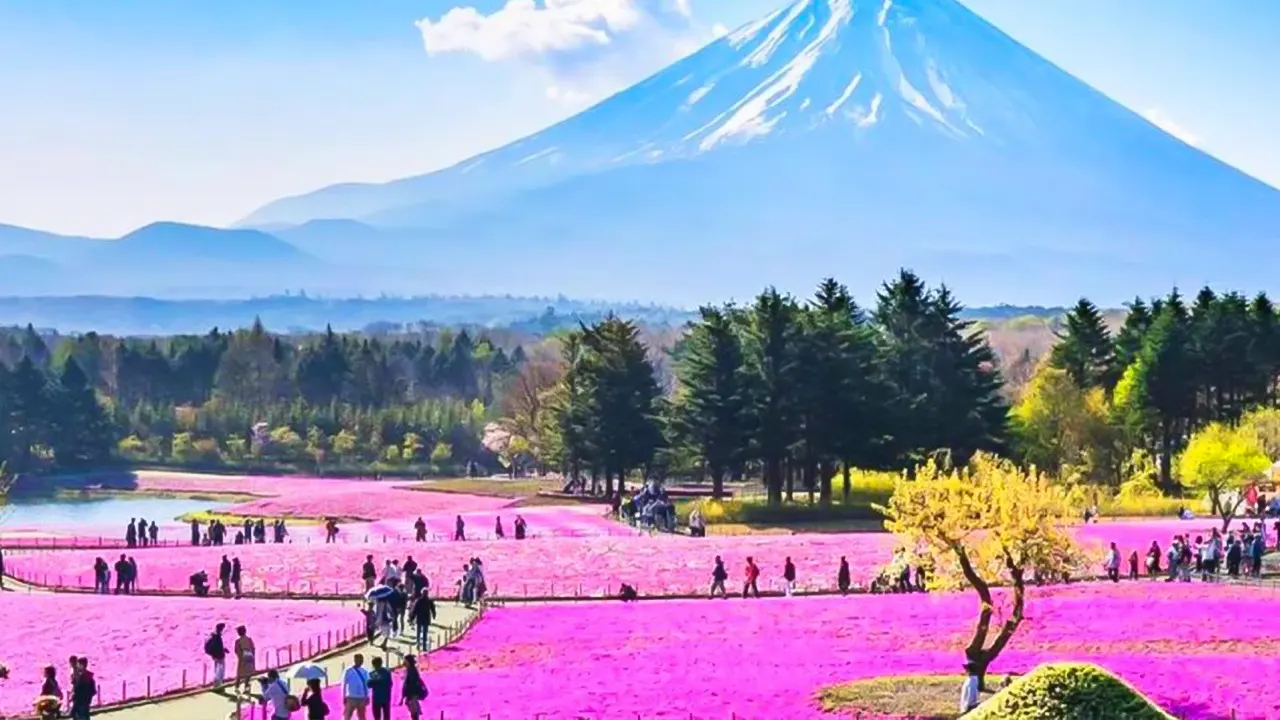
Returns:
(845,137)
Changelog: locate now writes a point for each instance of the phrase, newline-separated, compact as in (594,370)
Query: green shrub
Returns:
(1068,691)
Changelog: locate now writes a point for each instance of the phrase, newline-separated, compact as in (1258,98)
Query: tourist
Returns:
(142,532)
(420,581)
(368,573)
(628,593)
(101,576)
(235,575)
(459,529)
(133,575)
(1212,555)
(718,577)
(750,576)
(788,578)
(122,575)
(195,533)
(1112,564)
(260,532)
(51,689)
(83,691)
(388,573)
(385,620)
(413,689)
(1256,549)
(330,531)
(248,529)
(1197,554)
(1153,559)
(199,582)
(1235,552)
(521,527)
(420,531)
(246,656)
(216,649)
(313,700)
(842,576)
(697,526)
(370,622)
(355,690)
(380,690)
(497,529)
(154,532)
(275,695)
(1184,561)
(1133,565)
(224,576)
(131,534)
(410,567)
(969,697)
(422,613)
(398,604)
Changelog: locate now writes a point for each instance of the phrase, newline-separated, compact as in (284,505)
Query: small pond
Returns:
(106,511)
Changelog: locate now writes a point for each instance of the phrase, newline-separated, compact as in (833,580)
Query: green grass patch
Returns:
(1069,691)
(924,697)
(205,517)
(491,487)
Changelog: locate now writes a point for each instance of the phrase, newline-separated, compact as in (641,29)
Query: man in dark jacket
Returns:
(216,649)
(422,612)
(83,691)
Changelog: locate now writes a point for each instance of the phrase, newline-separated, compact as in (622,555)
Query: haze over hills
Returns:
(836,137)
(842,138)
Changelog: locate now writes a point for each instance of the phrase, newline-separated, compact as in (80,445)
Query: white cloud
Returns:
(585,49)
(1157,117)
(718,30)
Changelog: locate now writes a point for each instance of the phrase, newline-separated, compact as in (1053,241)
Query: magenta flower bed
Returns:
(131,639)
(561,566)
(764,660)
(319,497)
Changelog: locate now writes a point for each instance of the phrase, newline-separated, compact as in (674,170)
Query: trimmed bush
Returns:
(1068,691)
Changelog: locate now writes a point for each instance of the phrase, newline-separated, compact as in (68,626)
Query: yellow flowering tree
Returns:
(1222,462)
(979,526)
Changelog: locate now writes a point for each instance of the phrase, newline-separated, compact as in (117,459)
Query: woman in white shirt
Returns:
(969,691)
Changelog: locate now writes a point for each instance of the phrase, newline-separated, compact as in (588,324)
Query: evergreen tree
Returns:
(770,347)
(82,434)
(1084,349)
(712,403)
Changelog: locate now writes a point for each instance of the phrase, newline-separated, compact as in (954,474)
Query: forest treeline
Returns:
(798,392)
(326,400)
(794,391)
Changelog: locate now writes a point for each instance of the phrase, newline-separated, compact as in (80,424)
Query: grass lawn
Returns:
(925,697)
(518,489)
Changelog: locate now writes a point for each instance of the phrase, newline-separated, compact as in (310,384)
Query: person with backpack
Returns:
(275,695)
(216,649)
(355,690)
(313,700)
(413,691)
(380,690)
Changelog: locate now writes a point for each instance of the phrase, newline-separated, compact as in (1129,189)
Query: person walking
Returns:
(154,532)
(83,690)
(313,700)
(459,529)
(122,575)
(789,577)
(1112,564)
(131,534)
(224,576)
(246,657)
(275,696)
(497,529)
(750,577)
(422,613)
(142,532)
(355,690)
(216,649)
(420,531)
(521,527)
(133,576)
(101,576)
(718,577)
(380,690)
(843,580)
(413,690)
(235,575)
(368,573)
(195,533)
(51,689)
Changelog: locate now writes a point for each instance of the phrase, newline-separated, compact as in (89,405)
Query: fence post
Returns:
(148,686)
(184,678)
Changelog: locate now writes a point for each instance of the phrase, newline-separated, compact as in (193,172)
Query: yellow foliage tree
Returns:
(1065,430)
(1222,462)
(1265,424)
(991,522)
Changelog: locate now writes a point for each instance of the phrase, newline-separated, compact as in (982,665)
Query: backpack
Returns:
(210,647)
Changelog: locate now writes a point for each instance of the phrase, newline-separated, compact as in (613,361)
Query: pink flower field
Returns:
(561,566)
(128,639)
(764,660)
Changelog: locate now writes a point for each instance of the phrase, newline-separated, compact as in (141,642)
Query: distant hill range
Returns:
(296,313)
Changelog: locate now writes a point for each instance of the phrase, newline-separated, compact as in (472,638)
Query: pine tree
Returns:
(82,434)
(1084,350)
(712,403)
(770,348)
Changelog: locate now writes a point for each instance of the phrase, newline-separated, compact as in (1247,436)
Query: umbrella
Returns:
(311,671)
(380,593)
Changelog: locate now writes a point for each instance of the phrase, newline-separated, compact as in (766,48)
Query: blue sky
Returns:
(114,114)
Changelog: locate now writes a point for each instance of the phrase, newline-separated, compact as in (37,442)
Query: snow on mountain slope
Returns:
(910,122)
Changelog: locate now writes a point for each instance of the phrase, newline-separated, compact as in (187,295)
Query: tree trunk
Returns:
(717,481)
(773,480)
(791,481)
(848,482)
(977,653)
(825,471)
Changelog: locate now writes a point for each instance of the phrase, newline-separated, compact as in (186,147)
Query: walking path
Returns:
(451,621)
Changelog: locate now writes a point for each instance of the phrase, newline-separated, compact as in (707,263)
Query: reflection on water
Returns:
(105,511)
